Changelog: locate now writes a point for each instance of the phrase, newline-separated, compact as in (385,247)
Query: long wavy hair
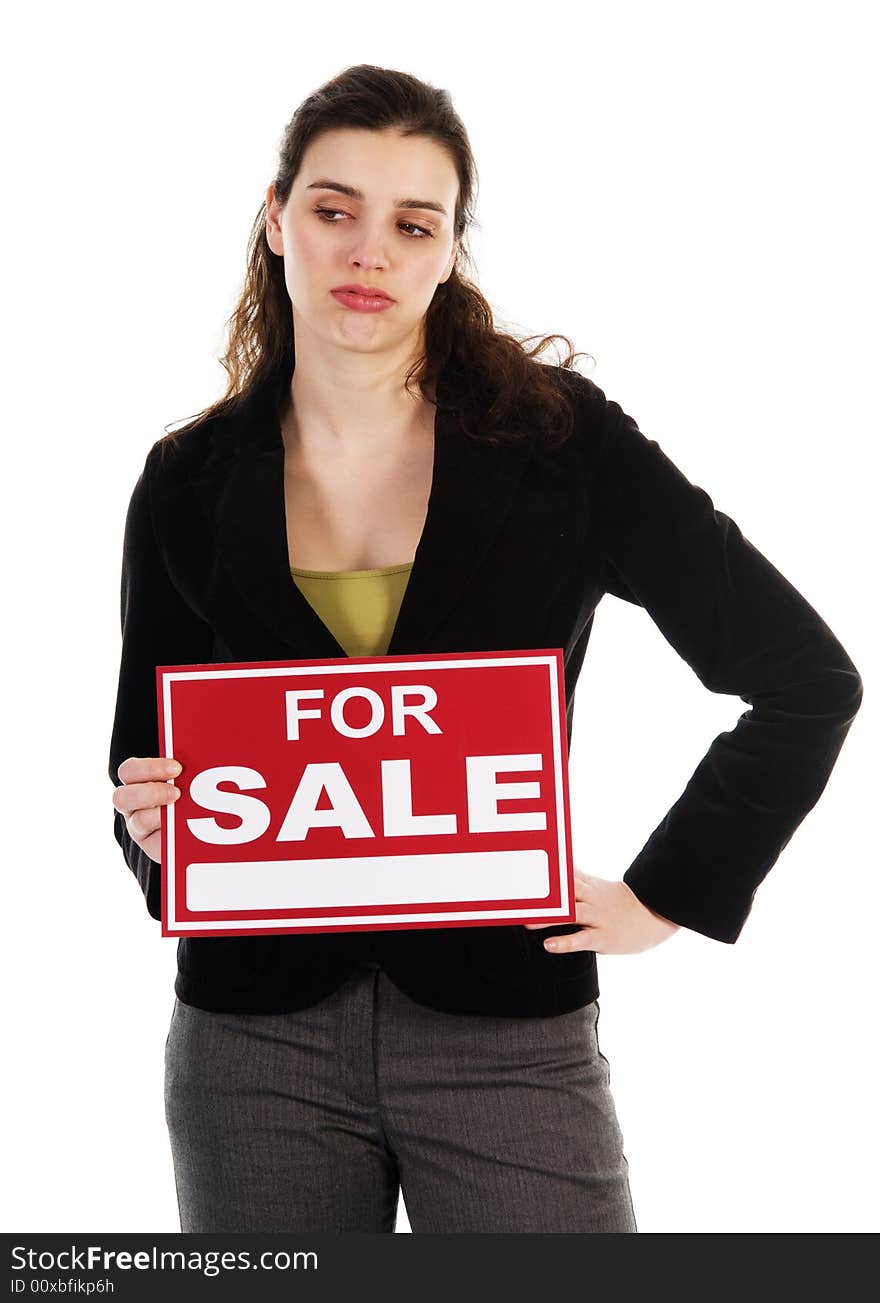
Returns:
(495,384)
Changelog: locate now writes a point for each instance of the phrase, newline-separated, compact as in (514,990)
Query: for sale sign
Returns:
(359,794)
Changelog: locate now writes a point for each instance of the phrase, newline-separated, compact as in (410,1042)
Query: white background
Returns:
(688,191)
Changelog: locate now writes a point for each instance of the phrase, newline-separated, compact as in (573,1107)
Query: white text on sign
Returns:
(484,791)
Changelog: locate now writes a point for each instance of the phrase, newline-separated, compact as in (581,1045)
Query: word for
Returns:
(399,709)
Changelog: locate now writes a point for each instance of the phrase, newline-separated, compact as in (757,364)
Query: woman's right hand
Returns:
(144,791)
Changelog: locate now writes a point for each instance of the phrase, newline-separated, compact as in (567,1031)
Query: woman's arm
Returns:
(745,631)
(158,628)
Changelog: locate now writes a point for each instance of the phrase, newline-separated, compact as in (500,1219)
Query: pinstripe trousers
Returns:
(317,1120)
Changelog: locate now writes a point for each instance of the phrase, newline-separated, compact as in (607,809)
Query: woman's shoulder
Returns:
(197,446)
(589,398)
(593,414)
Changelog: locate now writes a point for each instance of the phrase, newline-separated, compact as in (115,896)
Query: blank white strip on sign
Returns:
(368,880)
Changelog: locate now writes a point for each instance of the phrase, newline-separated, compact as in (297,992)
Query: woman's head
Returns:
(392,137)
(368,207)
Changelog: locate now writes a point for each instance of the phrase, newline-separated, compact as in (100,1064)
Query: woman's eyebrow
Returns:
(430,204)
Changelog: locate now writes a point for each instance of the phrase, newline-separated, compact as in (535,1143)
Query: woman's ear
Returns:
(274,237)
(450,264)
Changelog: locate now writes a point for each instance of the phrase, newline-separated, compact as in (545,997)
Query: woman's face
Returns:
(330,238)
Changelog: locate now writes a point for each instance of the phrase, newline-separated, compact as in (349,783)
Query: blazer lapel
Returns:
(241,488)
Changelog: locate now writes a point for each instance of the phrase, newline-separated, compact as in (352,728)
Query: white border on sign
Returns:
(169,678)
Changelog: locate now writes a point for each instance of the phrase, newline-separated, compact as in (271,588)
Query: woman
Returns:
(398,476)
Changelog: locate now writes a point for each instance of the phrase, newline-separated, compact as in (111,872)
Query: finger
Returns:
(141,823)
(587,938)
(141,796)
(586,881)
(143,769)
(584,889)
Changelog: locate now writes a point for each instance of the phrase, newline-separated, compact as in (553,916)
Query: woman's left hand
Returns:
(614,921)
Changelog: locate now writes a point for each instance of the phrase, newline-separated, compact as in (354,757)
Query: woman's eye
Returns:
(328,214)
(424,230)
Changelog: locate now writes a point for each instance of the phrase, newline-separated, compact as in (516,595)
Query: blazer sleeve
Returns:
(745,631)
(158,628)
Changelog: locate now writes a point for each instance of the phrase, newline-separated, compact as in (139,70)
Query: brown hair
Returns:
(496,389)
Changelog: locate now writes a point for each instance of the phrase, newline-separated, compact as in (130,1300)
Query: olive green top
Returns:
(359,607)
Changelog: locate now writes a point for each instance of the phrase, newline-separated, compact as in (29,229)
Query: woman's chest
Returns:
(357,513)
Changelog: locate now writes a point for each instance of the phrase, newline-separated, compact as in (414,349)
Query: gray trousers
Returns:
(315,1120)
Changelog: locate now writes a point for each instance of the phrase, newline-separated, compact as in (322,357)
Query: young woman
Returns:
(388,473)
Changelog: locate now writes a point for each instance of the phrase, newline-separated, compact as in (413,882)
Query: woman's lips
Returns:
(361,302)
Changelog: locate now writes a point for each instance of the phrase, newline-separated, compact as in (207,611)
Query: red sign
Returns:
(358,794)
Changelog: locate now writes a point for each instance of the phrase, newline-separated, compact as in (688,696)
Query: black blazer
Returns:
(519,545)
